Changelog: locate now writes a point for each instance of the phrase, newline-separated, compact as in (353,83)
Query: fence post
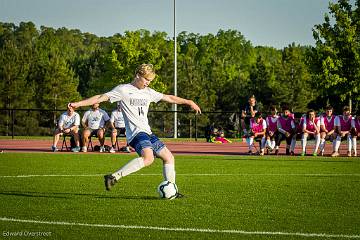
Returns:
(190,128)
(12,123)
(196,132)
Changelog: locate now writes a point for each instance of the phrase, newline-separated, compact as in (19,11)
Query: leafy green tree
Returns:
(336,57)
(56,83)
(261,78)
(16,88)
(13,72)
(293,83)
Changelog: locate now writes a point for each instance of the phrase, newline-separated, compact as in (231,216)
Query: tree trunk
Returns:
(350,103)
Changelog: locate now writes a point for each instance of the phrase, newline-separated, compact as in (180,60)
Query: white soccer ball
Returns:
(167,190)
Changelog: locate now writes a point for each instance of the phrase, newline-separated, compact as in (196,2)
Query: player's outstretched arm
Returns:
(90,101)
(179,100)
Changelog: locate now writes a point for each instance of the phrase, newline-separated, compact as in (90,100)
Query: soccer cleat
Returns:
(76,149)
(355,154)
(321,153)
(276,151)
(250,152)
(125,149)
(292,153)
(84,149)
(335,154)
(349,153)
(302,154)
(287,152)
(112,150)
(102,149)
(261,152)
(54,149)
(314,154)
(110,181)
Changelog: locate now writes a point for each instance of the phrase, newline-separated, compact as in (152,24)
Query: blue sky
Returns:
(274,23)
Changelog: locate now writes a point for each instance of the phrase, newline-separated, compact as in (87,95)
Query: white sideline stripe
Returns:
(201,230)
(194,174)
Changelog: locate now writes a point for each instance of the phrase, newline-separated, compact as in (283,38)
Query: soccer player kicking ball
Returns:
(134,99)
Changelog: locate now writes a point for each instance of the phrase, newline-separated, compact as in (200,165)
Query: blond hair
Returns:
(146,71)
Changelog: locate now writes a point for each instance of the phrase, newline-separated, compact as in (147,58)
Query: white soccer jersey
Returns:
(134,105)
(355,123)
(95,119)
(117,119)
(264,124)
(339,119)
(342,124)
(66,121)
(316,122)
(337,122)
(322,120)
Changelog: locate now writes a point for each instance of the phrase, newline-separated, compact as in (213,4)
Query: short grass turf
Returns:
(257,197)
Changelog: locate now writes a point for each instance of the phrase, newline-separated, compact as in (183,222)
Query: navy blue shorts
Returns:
(143,140)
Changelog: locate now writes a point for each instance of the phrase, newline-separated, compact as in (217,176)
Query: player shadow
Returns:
(68,195)
(133,197)
(30,194)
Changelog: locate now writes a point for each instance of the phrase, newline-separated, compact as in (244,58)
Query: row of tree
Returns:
(46,68)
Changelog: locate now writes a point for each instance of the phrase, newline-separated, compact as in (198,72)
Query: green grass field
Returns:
(62,195)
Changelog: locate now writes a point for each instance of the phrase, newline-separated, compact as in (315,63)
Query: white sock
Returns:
(322,145)
(349,143)
(317,143)
(354,145)
(337,143)
(169,172)
(131,167)
(273,143)
(303,143)
(250,143)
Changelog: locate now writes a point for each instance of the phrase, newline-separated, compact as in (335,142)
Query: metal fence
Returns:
(39,122)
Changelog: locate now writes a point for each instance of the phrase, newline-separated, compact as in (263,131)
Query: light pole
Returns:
(175,73)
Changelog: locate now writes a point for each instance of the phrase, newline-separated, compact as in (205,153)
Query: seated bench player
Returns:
(286,130)
(342,131)
(271,130)
(68,124)
(94,122)
(257,133)
(310,129)
(327,128)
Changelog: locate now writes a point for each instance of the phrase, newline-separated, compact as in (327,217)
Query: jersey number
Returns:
(141,111)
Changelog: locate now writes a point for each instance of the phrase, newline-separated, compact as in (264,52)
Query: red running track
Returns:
(186,147)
